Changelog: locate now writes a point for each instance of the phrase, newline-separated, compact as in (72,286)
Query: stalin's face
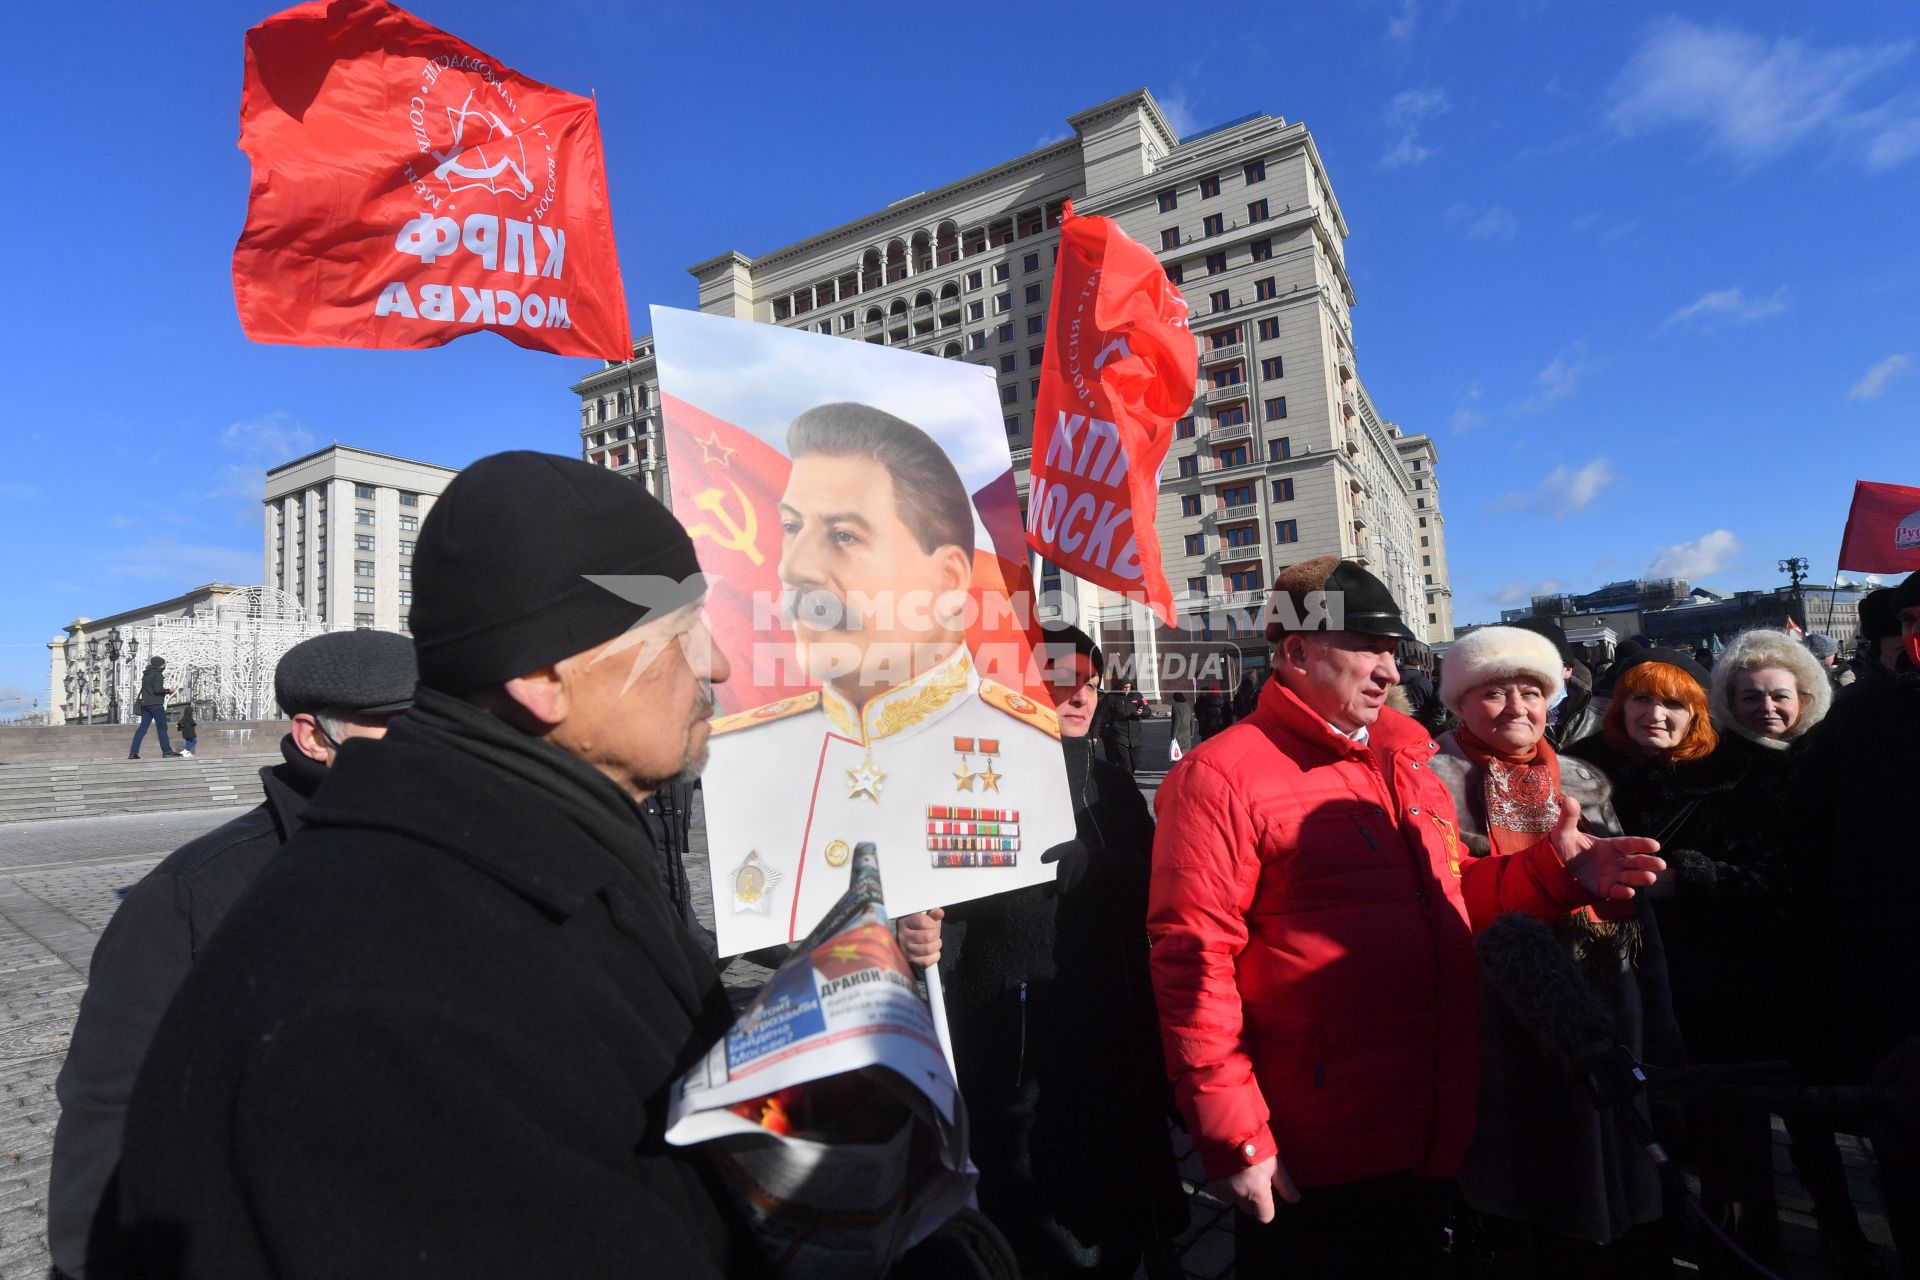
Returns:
(871,607)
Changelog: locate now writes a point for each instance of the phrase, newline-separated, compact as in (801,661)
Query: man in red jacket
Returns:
(1312,945)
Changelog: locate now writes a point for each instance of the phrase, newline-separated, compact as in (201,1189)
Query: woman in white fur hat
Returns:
(1563,1187)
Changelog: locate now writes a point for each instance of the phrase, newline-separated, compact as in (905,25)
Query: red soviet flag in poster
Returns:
(1883,529)
(408,189)
(1119,369)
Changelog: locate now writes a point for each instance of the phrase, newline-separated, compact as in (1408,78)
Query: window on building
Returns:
(846,322)
(1196,544)
(1030,263)
(1429,578)
(363,568)
(1183,429)
(1256,172)
(1423,522)
(1213,224)
(1237,456)
(1237,495)
(1002,272)
(1033,294)
(363,595)
(1262,249)
(1036,324)
(1010,394)
(363,622)
(976,341)
(1426,562)
(1034,356)
(1232,415)
(973,281)
(1002,303)
(409,523)
(1169,201)
(1189,464)
(1210,186)
(406,598)
(1004,332)
(976,310)
(1189,504)
(1008,363)
(1269,328)
(1216,263)
(362,516)
(1424,540)
(1177,273)
(1013,425)
(1433,619)
(1276,408)
(409,499)
(1197,586)
(366,490)
(1227,375)
(1271,367)
(1286,531)
(1265,290)
(1257,211)
(363,542)
(1283,489)
(1247,579)
(406,546)
(1241,535)
(1221,299)
(1170,238)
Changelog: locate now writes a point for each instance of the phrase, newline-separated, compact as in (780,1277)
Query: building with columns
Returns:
(1285,455)
(340,528)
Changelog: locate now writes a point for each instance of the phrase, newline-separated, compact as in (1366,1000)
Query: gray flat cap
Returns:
(350,671)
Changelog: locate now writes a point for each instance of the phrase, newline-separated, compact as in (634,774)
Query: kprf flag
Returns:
(1883,529)
(408,189)
(1119,369)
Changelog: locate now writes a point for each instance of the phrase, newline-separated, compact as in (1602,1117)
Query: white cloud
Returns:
(1707,554)
(1881,376)
(1756,99)
(1519,592)
(1560,379)
(1466,416)
(1407,111)
(1495,224)
(1404,22)
(1728,304)
(262,442)
(182,565)
(1177,107)
(1564,491)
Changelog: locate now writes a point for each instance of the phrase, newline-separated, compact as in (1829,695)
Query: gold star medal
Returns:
(753,885)
(865,781)
(989,780)
(963,776)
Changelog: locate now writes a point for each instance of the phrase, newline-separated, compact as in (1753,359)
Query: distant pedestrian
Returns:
(439,1035)
(1827,653)
(189,730)
(1877,653)
(1210,712)
(1246,697)
(1117,725)
(152,702)
(336,686)
(1184,723)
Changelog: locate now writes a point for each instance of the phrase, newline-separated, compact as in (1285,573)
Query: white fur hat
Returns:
(1497,653)
(1757,650)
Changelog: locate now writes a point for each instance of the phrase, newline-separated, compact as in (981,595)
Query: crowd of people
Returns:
(1454,969)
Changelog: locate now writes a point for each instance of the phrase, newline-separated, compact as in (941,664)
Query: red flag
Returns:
(1883,529)
(408,189)
(1119,368)
(727,484)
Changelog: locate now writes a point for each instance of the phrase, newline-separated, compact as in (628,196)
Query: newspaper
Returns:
(829,1106)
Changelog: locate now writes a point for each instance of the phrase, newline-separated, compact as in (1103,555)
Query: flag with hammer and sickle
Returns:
(726,487)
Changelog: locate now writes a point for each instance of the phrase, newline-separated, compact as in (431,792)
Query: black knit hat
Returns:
(1878,618)
(1672,657)
(505,566)
(1906,595)
(1553,631)
(346,671)
(1353,600)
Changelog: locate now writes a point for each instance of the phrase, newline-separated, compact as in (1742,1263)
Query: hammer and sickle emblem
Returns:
(739,534)
(1118,347)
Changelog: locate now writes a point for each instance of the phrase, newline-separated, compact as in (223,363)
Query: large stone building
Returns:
(1674,613)
(367,508)
(92,674)
(1284,456)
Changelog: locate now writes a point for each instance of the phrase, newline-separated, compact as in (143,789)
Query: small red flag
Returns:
(408,189)
(1883,529)
(1119,368)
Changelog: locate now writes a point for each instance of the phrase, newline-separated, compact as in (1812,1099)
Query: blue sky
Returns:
(1652,281)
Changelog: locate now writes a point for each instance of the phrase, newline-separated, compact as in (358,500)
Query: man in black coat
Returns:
(439,1035)
(152,704)
(1117,725)
(340,685)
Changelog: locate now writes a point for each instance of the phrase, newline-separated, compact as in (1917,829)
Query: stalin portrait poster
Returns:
(855,513)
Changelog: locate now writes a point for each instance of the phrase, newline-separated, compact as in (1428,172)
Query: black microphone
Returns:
(1535,978)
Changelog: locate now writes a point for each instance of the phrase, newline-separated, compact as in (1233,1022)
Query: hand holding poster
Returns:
(1119,368)
(856,505)
(408,189)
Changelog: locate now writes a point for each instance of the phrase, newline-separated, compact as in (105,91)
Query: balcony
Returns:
(1349,404)
(1343,361)
(1229,391)
(1238,431)
(1214,355)
(1213,467)
(1245,511)
(1350,441)
(1245,599)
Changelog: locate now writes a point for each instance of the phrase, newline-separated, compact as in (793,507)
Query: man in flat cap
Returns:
(905,744)
(1311,949)
(438,1036)
(342,685)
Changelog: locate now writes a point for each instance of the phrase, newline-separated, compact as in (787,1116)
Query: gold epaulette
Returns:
(765,715)
(1020,707)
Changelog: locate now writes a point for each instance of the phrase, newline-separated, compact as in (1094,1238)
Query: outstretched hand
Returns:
(1608,867)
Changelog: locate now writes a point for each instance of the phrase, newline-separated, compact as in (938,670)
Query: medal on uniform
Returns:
(963,836)
(836,853)
(753,885)
(865,780)
(963,776)
(989,780)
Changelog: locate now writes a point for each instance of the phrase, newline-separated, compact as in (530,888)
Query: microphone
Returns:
(1536,979)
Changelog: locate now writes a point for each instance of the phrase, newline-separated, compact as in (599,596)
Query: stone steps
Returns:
(85,788)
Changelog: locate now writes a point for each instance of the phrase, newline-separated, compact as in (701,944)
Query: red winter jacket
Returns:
(1312,958)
